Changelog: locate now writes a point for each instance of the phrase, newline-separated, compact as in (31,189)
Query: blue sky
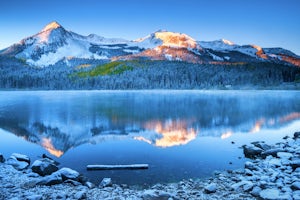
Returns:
(267,23)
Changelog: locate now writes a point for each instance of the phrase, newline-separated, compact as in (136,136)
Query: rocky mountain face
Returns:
(54,43)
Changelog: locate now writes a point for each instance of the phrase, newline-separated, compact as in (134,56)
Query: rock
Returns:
(272,152)
(52,179)
(284,155)
(19,165)
(275,162)
(295,164)
(261,145)
(80,195)
(44,167)
(296,185)
(211,188)
(70,181)
(67,173)
(245,185)
(251,151)
(21,157)
(54,161)
(269,194)
(2,160)
(250,165)
(255,191)
(155,195)
(296,135)
(106,182)
(89,185)
(34,197)
(296,195)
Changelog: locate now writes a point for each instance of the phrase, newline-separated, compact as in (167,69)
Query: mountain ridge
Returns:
(54,43)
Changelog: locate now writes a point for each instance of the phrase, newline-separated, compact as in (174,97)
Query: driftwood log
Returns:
(113,167)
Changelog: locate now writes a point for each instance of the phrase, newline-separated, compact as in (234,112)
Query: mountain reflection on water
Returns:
(59,121)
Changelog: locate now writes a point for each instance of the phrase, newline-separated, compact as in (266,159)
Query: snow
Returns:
(131,51)
(215,57)
(51,26)
(72,49)
(166,38)
(218,45)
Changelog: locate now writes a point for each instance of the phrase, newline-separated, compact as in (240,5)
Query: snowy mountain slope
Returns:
(54,43)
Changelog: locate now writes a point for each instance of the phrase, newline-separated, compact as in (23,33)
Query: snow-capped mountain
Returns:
(54,43)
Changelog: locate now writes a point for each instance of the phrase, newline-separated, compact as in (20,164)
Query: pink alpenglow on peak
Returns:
(51,26)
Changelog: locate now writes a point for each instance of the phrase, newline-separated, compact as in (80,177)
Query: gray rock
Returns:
(70,181)
(211,188)
(255,191)
(19,165)
(106,182)
(21,157)
(296,135)
(251,151)
(80,195)
(34,197)
(269,194)
(296,185)
(67,173)
(295,164)
(89,185)
(250,165)
(44,167)
(272,152)
(155,195)
(52,179)
(284,155)
(261,145)
(2,159)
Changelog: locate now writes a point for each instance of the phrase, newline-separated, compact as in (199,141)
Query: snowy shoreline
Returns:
(272,173)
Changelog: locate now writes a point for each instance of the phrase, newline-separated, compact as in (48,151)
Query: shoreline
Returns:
(272,173)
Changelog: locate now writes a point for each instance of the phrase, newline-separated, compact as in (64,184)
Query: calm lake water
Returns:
(180,134)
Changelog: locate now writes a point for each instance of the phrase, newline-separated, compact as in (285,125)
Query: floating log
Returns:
(112,167)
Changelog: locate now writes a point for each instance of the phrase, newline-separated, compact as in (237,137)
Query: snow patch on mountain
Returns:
(218,45)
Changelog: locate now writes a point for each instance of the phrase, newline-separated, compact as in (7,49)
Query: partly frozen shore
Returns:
(272,173)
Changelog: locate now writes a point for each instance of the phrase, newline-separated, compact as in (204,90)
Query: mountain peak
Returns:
(51,26)
(227,42)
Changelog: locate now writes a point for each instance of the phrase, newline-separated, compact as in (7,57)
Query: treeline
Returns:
(14,74)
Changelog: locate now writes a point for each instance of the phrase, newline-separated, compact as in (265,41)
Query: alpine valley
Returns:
(56,58)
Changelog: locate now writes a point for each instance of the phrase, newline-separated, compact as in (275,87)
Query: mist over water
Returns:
(180,134)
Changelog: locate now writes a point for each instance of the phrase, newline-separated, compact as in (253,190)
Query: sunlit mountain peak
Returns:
(51,26)
(227,42)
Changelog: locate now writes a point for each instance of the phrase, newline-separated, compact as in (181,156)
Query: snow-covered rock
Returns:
(296,185)
(19,165)
(67,173)
(251,151)
(284,155)
(52,179)
(211,188)
(269,194)
(80,195)
(2,159)
(106,182)
(21,157)
(44,167)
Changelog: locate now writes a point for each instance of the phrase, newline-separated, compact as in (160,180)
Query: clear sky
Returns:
(267,23)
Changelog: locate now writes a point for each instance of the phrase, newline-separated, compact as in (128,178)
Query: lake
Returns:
(180,134)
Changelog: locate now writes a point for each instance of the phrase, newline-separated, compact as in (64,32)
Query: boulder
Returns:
(80,195)
(269,194)
(250,165)
(67,173)
(272,152)
(75,183)
(252,151)
(296,135)
(295,164)
(2,160)
(295,185)
(155,195)
(44,167)
(106,182)
(211,188)
(19,165)
(255,191)
(21,157)
(284,155)
(52,179)
(261,145)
